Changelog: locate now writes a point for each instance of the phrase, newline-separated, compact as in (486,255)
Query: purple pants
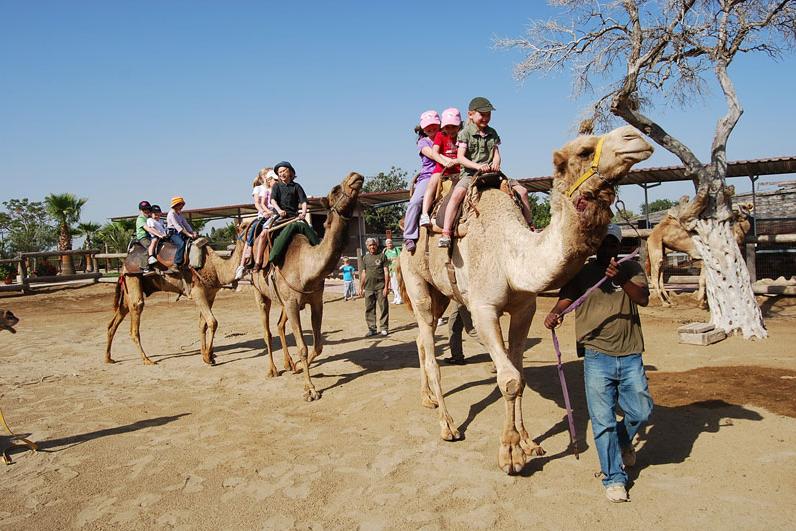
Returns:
(412,218)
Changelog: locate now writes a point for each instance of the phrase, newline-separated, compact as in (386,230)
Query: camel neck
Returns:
(325,255)
(537,262)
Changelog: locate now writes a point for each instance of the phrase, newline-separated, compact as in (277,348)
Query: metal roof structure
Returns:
(739,168)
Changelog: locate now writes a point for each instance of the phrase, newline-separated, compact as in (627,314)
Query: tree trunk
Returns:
(65,244)
(729,291)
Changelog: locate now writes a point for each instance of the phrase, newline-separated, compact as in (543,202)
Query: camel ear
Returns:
(559,161)
(325,203)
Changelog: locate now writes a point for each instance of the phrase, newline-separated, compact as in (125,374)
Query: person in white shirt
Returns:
(261,195)
(157,230)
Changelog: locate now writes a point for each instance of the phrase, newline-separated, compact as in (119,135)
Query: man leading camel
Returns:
(608,331)
(374,277)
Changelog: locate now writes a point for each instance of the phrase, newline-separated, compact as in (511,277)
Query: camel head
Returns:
(8,320)
(343,198)
(745,210)
(620,150)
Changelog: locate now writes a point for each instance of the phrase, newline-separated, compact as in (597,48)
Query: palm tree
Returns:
(65,208)
(88,230)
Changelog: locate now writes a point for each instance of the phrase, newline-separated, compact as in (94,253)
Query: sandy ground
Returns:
(189,446)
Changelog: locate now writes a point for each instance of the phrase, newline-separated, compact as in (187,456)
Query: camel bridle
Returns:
(593,169)
(334,208)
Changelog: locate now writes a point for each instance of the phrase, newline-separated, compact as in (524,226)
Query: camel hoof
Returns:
(148,361)
(511,457)
(428,402)
(272,373)
(532,449)
(311,395)
(109,360)
(450,435)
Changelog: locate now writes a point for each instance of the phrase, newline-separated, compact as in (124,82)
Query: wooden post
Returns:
(22,269)
(107,261)
(751,262)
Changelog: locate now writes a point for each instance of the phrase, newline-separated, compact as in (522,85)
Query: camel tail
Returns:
(402,289)
(118,295)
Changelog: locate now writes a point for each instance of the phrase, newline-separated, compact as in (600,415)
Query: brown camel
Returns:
(500,266)
(131,290)
(299,280)
(671,234)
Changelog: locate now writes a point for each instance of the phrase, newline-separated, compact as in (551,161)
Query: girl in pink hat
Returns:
(429,159)
(445,145)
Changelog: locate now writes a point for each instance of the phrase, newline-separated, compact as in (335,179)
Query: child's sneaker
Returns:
(239,272)
(445,241)
(409,245)
(151,260)
(425,221)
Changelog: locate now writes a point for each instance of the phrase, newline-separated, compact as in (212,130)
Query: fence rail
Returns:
(28,264)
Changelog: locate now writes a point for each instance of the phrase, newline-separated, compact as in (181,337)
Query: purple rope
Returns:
(571,308)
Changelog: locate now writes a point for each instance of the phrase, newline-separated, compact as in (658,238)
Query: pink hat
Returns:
(451,116)
(428,118)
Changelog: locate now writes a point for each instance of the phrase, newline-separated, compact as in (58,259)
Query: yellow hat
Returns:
(176,200)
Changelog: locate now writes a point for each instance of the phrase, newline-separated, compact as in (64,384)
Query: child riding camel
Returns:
(478,151)
(445,144)
(156,228)
(179,230)
(287,196)
(261,196)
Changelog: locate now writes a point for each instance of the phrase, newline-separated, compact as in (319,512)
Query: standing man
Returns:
(458,321)
(391,254)
(373,278)
(608,332)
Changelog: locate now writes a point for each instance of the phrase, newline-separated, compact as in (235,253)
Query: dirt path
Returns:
(189,446)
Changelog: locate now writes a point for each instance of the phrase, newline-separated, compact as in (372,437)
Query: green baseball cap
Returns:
(481,104)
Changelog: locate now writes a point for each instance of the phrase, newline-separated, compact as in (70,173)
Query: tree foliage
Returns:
(88,230)
(224,236)
(26,226)
(116,235)
(65,209)
(380,219)
(658,205)
(541,210)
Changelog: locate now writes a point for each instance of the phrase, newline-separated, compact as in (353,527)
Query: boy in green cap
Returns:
(478,151)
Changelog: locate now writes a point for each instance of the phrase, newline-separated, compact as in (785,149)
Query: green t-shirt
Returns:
(607,320)
(480,145)
(373,266)
(140,223)
(392,258)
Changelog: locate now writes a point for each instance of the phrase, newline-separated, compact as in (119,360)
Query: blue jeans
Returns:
(179,240)
(612,381)
(412,217)
(348,291)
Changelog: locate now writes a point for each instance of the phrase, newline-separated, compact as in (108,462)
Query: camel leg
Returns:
(655,254)
(316,316)
(294,316)
(207,324)
(511,457)
(519,325)
(701,297)
(113,325)
(136,307)
(289,364)
(426,396)
(264,305)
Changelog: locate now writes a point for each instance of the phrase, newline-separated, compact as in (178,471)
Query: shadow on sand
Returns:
(64,443)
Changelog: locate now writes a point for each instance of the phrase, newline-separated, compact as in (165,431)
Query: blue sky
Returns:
(121,101)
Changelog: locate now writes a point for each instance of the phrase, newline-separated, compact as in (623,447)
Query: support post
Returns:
(754,179)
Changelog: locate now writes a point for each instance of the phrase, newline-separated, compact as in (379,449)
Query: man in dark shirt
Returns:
(373,284)
(608,331)
(287,196)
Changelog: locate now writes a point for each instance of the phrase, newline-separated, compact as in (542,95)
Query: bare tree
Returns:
(639,50)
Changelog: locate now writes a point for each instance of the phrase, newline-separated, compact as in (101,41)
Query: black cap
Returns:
(481,104)
(144,205)
(284,164)
(156,209)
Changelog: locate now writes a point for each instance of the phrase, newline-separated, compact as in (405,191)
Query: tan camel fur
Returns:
(8,321)
(205,284)
(501,265)
(299,281)
(671,234)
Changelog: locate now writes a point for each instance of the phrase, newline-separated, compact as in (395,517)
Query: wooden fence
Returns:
(27,264)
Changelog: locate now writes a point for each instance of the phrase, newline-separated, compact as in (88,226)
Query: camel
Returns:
(501,265)
(131,290)
(671,234)
(299,280)
(8,320)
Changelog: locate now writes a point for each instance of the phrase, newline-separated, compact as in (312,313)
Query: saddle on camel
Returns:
(136,260)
